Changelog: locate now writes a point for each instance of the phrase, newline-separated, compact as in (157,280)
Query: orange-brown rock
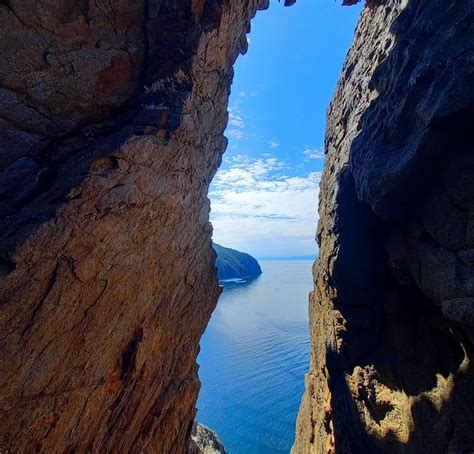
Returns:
(112,117)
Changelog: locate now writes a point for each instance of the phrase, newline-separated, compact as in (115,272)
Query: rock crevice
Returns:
(112,117)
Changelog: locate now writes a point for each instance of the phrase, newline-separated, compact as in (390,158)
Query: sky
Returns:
(264,198)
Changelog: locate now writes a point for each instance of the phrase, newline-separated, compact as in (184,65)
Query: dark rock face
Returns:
(232,264)
(112,119)
(392,310)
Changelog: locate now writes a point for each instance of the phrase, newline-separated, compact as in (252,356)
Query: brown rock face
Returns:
(112,118)
(392,310)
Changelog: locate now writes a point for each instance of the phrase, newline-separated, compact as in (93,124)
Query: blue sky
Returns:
(264,197)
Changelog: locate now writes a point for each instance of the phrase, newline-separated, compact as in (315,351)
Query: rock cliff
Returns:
(204,441)
(232,264)
(112,117)
(392,310)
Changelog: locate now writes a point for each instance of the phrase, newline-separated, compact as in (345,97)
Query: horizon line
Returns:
(291,257)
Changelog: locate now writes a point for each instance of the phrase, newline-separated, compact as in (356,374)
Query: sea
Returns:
(254,356)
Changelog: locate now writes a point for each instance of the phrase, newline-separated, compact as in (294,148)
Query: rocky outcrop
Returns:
(232,264)
(392,308)
(204,441)
(112,118)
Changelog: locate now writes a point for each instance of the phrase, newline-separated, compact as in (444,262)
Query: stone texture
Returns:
(204,441)
(112,118)
(391,312)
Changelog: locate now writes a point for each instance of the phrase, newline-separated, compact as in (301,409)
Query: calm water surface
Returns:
(254,355)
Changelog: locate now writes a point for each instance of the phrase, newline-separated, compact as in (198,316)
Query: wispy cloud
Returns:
(255,202)
(235,133)
(314,153)
(273,144)
(236,120)
(236,125)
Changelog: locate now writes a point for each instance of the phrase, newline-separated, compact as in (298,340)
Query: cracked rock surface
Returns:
(112,117)
(392,310)
(204,441)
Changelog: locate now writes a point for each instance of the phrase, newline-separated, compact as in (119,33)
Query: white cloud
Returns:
(314,153)
(235,133)
(273,144)
(242,94)
(236,126)
(236,120)
(258,208)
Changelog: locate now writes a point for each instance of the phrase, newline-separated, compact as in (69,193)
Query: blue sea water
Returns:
(254,355)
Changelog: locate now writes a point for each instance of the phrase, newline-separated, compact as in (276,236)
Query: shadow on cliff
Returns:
(402,379)
(401,338)
(34,186)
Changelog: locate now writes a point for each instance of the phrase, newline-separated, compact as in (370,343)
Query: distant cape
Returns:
(232,264)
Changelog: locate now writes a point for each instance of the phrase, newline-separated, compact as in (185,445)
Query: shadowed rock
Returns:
(391,313)
(112,117)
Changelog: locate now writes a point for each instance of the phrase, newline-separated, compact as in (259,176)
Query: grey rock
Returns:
(391,311)
(460,310)
(204,441)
